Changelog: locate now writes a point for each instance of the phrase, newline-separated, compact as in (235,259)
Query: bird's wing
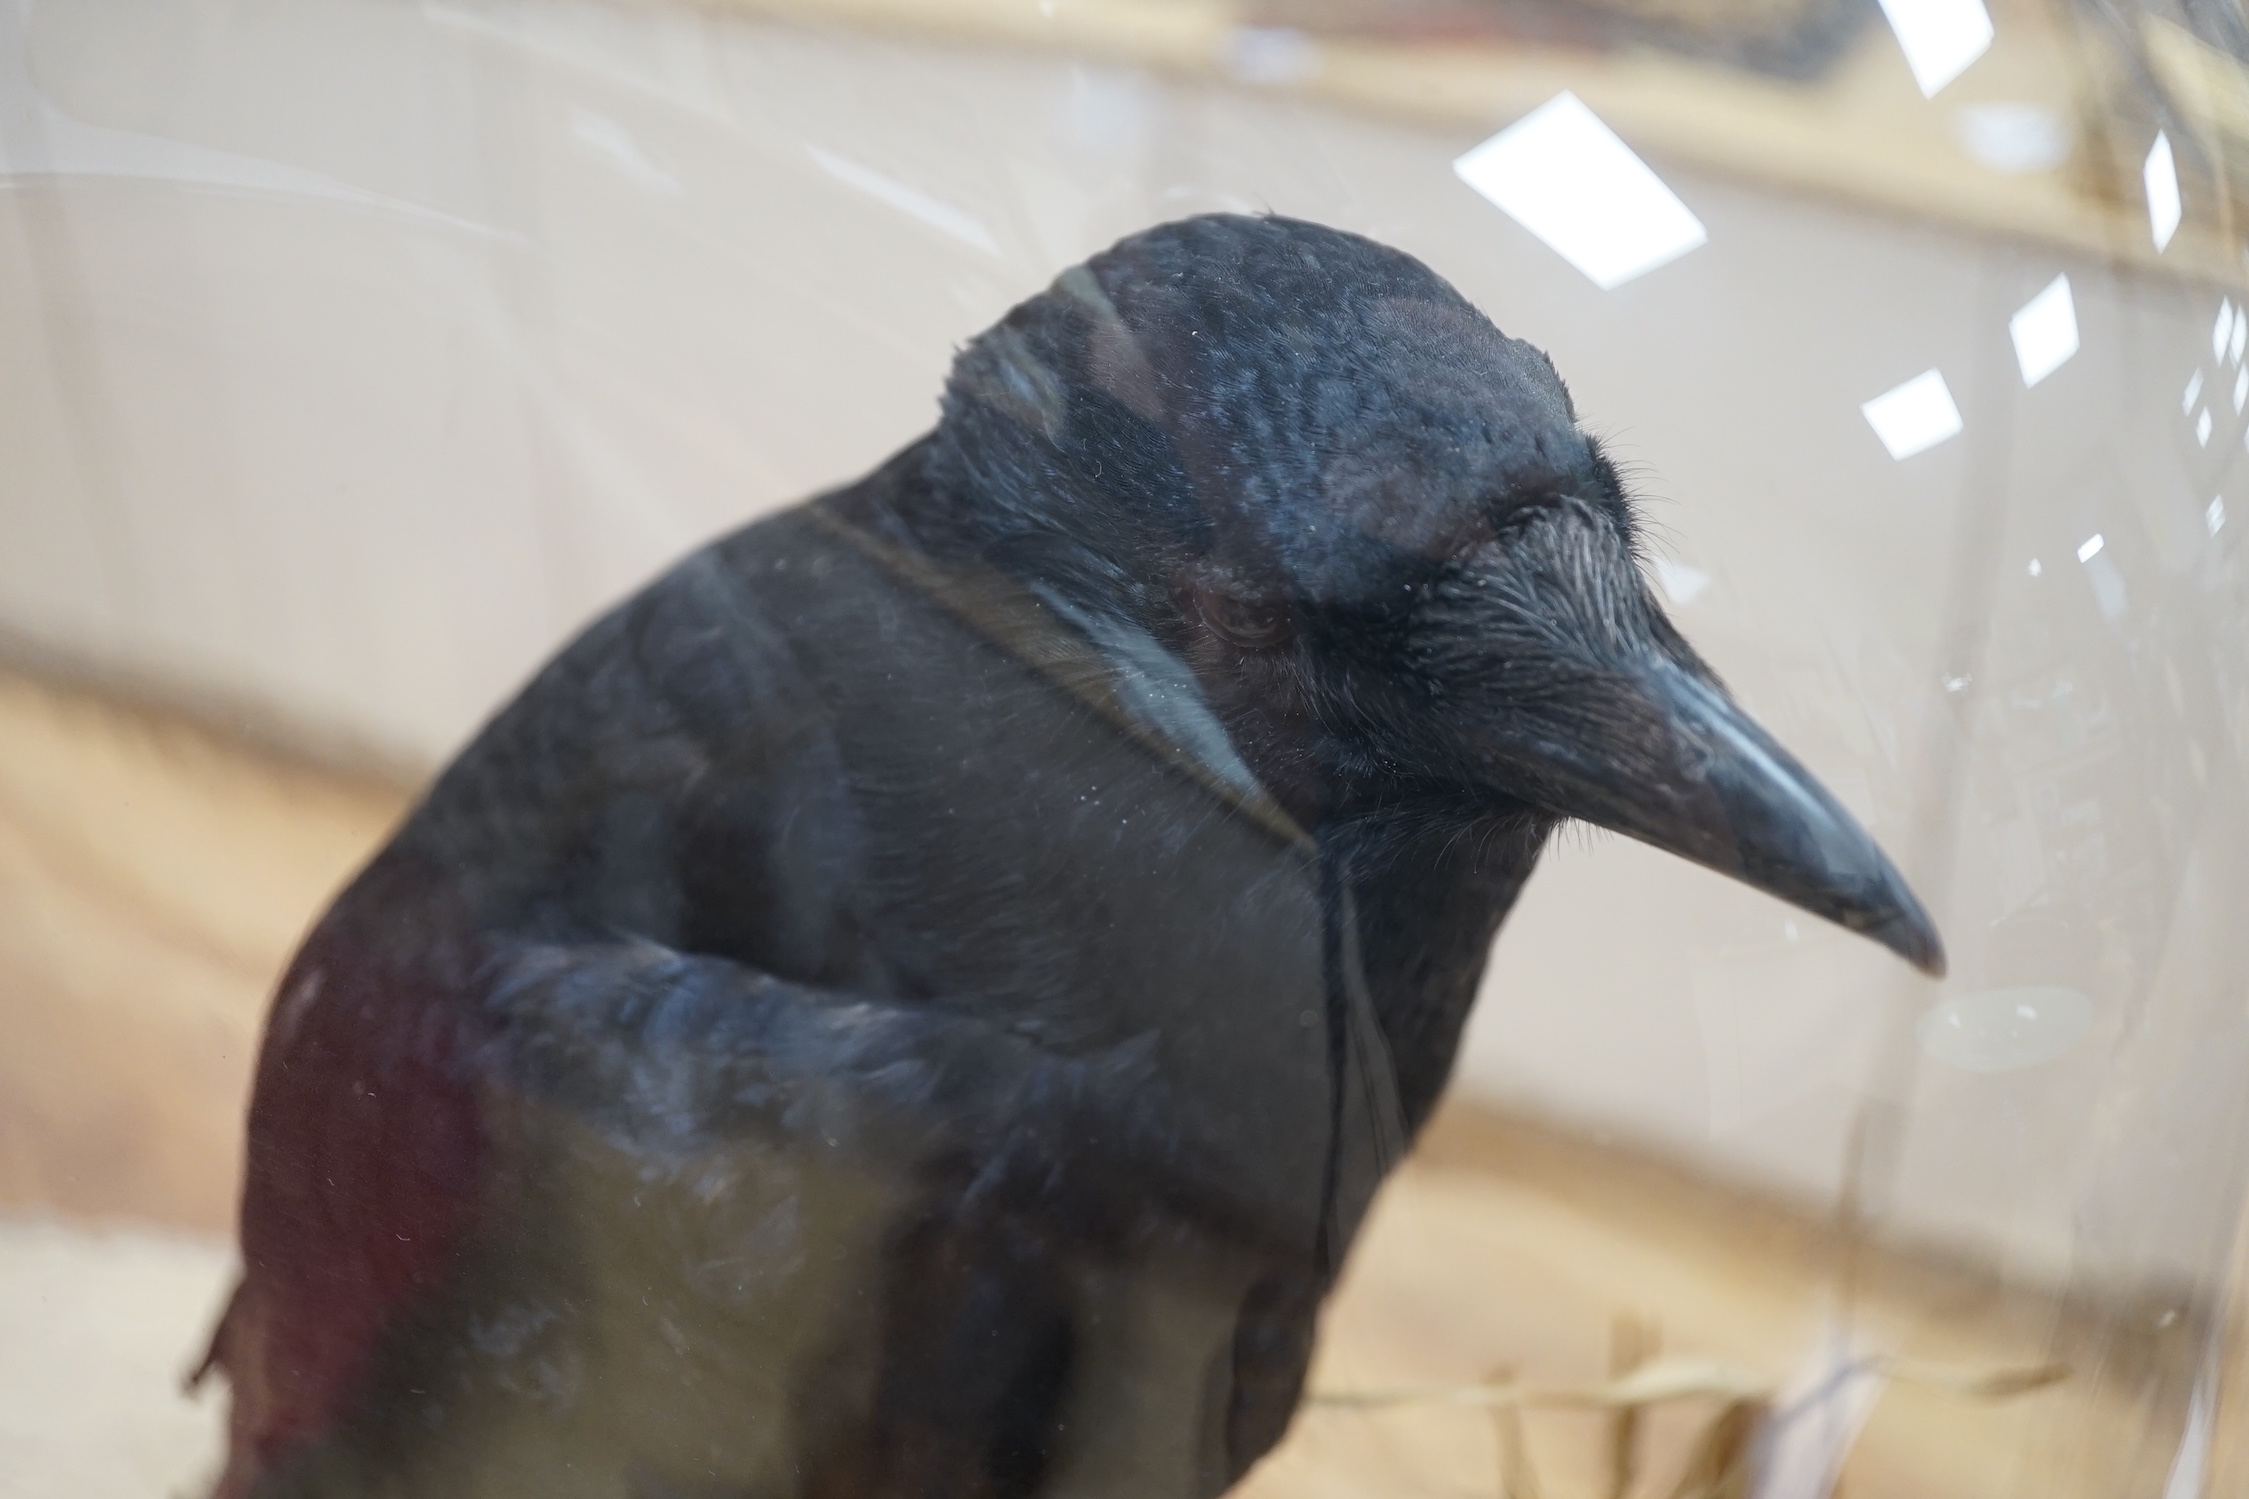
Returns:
(367,1150)
(621,1157)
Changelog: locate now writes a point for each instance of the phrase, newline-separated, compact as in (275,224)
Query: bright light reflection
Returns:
(2214,515)
(2091,547)
(2161,176)
(1564,176)
(2045,331)
(1940,37)
(2202,428)
(2221,332)
(2240,389)
(1915,416)
(2194,388)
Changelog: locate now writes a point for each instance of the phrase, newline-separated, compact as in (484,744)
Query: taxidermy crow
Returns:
(917,1001)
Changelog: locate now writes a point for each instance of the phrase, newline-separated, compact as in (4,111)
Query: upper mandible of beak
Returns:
(1692,774)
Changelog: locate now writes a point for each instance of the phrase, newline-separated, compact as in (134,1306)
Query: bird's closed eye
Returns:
(1511,514)
(1242,620)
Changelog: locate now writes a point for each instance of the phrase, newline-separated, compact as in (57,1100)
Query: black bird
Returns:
(916,1001)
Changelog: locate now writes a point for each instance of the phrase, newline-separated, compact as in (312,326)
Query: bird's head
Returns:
(1372,525)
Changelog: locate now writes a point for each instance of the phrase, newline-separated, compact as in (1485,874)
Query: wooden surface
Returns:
(154,875)
(153,878)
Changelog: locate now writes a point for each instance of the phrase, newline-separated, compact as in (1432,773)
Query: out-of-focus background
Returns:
(355,352)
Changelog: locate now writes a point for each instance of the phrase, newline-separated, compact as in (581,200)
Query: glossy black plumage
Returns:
(918,1000)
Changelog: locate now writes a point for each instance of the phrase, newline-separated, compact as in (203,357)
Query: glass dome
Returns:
(359,353)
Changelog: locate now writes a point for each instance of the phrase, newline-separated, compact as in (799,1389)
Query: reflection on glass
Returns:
(2004,1030)
(2044,330)
(1563,174)
(911,201)
(1940,38)
(2014,136)
(2160,176)
(1914,417)
(615,144)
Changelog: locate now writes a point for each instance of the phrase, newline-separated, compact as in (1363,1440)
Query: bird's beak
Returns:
(1692,774)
